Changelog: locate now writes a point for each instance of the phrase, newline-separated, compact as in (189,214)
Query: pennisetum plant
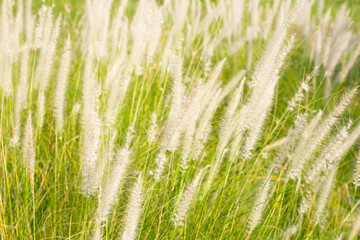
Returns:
(178,65)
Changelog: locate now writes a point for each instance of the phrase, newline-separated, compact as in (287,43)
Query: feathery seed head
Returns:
(186,199)
(29,154)
(134,211)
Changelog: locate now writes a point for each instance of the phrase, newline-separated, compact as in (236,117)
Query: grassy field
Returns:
(183,119)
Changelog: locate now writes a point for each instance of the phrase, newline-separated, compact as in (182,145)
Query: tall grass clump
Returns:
(179,119)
